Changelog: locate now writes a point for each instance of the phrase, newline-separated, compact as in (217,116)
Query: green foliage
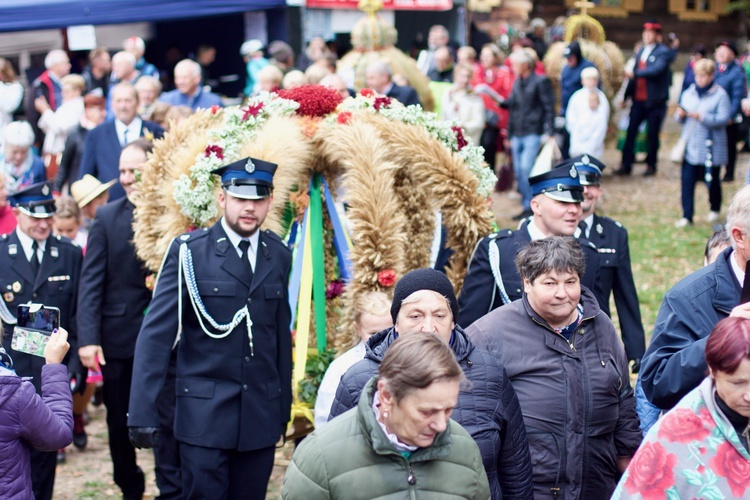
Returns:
(739,6)
(317,364)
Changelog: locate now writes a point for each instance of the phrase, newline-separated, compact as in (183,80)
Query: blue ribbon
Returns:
(296,277)
(291,239)
(340,242)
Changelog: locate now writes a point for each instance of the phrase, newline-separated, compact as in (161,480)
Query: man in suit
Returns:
(49,85)
(38,267)
(225,289)
(101,152)
(113,299)
(649,89)
(378,77)
(187,79)
(615,272)
(493,279)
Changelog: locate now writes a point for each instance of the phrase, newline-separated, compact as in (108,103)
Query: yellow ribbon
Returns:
(304,309)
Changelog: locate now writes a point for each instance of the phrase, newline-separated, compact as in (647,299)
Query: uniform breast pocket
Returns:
(273,291)
(191,417)
(57,287)
(217,288)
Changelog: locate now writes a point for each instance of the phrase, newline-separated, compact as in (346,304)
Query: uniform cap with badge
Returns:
(561,183)
(248,178)
(589,169)
(35,200)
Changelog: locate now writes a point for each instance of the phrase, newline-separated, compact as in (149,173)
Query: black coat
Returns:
(405,95)
(101,154)
(532,106)
(488,409)
(113,296)
(67,172)
(56,285)
(480,295)
(227,398)
(616,275)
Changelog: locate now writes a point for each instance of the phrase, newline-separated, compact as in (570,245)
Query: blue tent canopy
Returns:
(20,15)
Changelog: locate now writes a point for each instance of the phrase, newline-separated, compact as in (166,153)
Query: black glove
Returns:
(77,381)
(144,437)
(635,365)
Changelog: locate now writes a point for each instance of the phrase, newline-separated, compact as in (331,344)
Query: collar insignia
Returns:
(599,229)
(54,252)
(12,249)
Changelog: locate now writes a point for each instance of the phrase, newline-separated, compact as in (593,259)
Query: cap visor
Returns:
(38,210)
(248,191)
(565,196)
(589,179)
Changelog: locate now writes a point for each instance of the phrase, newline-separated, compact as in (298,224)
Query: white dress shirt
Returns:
(235,239)
(134,130)
(26,243)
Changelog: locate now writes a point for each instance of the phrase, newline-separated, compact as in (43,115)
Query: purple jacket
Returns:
(27,420)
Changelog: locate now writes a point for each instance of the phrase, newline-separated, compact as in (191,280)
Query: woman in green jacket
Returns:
(399,442)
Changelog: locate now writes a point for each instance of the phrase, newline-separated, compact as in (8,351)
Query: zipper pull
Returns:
(411,478)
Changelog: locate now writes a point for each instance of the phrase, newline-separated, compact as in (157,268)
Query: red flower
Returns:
(335,288)
(459,137)
(701,469)
(366,92)
(730,464)
(682,426)
(706,417)
(344,117)
(387,277)
(216,149)
(702,450)
(650,472)
(252,110)
(314,100)
(215,109)
(380,102)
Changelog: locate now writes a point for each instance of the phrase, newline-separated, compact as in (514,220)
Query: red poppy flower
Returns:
(682,426)
(728,463)
(252,110)
(650,472)
(387,277)
(216,149)
(380,102)
(366,92)
(215,109)
(344,117)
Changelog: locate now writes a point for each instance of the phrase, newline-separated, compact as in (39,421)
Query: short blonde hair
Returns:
(704,66)
(67,208)
(375,303)
(589,72)
(294,78)
(76,82)
(271,72)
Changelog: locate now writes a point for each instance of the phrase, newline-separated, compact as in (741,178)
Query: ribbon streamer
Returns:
(305,308)
(318,261)
(341,241)
(294,280)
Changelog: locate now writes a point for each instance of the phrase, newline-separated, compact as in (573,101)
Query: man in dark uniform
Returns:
(112,302)
(649,89)
(493,279)
(225,289)
(615,273)
(38,267)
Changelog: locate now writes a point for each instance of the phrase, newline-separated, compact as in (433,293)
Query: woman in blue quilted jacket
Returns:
(28,420)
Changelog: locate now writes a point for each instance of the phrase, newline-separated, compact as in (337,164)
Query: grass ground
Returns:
(660,254)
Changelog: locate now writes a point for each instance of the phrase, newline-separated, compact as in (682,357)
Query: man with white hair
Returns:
(187,79)
(378,77)
(335,82)
(675,362)
(123,68)
(436,38)
(136,46)
(49,85)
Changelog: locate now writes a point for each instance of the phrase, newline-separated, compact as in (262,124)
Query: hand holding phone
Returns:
(35,324)
(57,346)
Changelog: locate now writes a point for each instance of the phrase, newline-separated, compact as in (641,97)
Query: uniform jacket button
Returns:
(216,290)
(187,390)
(247,359)
(244,387)
(249,301)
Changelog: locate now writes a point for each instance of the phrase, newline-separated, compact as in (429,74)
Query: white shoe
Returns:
(712,216)
(682,223)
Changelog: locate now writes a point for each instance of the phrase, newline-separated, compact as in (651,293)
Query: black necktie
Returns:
(745,297)
(244,248)
(34,259)
(583,227)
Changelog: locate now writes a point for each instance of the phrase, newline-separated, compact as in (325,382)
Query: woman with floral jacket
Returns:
(700,448)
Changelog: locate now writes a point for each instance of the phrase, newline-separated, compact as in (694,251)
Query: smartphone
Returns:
(36,323)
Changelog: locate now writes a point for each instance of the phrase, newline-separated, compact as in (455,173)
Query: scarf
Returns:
(702,90)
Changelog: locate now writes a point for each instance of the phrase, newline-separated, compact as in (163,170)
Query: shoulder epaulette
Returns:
(193,235)
(275,237)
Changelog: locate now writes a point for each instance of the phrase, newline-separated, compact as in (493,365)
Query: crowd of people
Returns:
(518,387)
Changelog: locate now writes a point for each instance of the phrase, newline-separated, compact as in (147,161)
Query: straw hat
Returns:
(85,190)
